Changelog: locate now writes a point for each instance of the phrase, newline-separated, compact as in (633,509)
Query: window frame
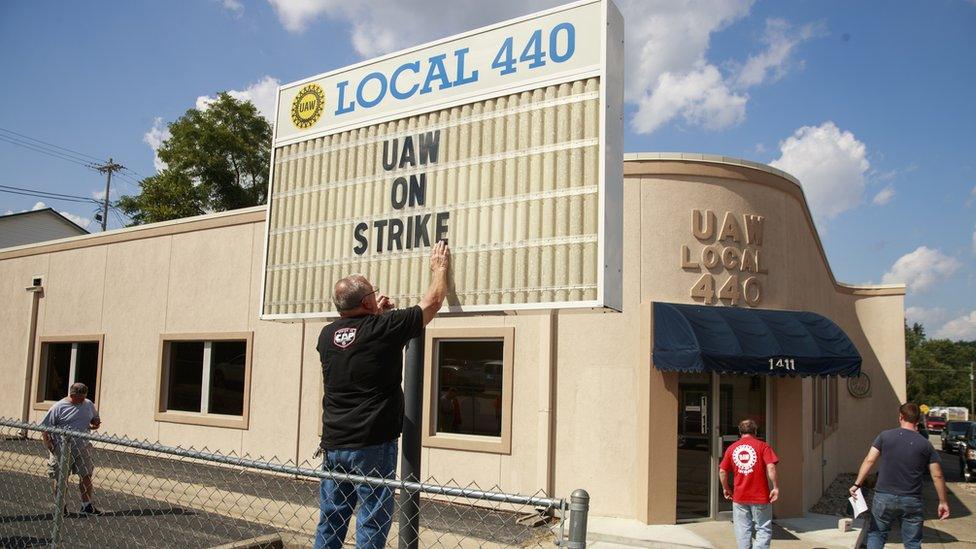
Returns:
(473,443)
(207,419)
(39,383)
(826,408)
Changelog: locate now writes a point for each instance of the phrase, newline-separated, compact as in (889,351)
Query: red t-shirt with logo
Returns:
(747,460)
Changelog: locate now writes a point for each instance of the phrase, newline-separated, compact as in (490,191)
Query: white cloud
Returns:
(261,93)
(831,165)
(974,240)
(926,316)
(154,138)
(884,196)
(100,195)
(82,222)
(962,328)
(700,97)
(972,193)
(39,206)
(668,74)
(233,6)
(774,62)
(921,269)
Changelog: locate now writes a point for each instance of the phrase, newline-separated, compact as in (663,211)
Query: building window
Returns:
(205,379)
(67,360)
(468,392)
(825,409)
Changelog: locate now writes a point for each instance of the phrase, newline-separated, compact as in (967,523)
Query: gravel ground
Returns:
(834,501)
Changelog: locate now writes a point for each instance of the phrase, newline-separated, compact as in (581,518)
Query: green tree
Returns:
(216,158)
(169,194)
(938,369)
(913,336)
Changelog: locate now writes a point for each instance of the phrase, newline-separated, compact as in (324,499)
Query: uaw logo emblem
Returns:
(344,337)
(306,108)
(744,458)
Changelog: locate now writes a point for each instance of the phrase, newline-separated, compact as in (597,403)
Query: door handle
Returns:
(704,415)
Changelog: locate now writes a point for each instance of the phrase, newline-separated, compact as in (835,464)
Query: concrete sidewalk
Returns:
(810,531)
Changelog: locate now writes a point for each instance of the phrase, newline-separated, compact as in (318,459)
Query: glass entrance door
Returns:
(740,397)
(694,446)
(710,408)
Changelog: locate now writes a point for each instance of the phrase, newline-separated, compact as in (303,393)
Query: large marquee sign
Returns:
(505,141)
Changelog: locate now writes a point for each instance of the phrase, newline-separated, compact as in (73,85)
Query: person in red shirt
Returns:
(750,460)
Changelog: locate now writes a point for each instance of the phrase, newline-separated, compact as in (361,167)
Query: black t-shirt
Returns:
(362,362)
(905,455)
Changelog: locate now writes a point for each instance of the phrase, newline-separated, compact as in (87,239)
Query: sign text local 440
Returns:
(505,141)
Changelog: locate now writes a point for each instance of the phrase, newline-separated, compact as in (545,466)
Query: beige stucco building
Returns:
(580,402)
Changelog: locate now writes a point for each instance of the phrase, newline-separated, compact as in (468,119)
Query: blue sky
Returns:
(869,104)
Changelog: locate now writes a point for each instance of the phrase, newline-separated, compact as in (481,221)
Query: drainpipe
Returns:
(301,381)
(546,395)
(36,291)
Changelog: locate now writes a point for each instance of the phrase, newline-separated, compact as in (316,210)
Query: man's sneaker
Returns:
(89,509)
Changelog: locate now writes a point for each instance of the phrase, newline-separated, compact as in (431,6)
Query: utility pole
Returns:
(972,401)
(107,169)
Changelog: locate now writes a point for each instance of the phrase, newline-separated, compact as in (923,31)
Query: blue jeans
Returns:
(749,516)
(338,499)
(888,508)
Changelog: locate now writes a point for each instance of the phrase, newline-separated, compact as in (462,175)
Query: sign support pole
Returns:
(408,518)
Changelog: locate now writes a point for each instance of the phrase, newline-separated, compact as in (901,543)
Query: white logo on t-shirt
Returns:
(745,458)
(344,337)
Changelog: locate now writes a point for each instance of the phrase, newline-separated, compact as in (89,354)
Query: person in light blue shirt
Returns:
(77,413)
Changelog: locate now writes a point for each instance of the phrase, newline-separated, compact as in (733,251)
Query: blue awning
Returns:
(732,340)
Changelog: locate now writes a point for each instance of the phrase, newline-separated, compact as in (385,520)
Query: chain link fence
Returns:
(151,495)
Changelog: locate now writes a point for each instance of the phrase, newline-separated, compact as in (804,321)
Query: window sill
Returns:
(469,443)
(205,420)
(44,405)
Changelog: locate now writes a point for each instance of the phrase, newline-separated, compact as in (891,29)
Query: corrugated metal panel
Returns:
(518,174)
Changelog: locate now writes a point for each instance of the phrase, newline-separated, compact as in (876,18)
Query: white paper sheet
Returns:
(858,503)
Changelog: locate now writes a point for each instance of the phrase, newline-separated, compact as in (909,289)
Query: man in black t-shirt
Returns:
(904,457)
(362,359)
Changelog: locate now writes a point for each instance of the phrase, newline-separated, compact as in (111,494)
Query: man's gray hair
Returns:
(78,389)
(350,291)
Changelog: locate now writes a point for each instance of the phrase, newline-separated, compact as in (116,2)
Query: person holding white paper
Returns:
(903,455)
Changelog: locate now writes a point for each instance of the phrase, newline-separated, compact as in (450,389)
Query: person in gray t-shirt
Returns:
(78,413)
(904,456)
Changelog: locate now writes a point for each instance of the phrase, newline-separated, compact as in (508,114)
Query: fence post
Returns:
(408,520)
(579,507)
(60,490)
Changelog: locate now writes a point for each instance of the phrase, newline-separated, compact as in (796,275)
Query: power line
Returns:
(81,154)
(70,155)
(135,173)
(108,169)
(46,197)
(48,193)
(48,152)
